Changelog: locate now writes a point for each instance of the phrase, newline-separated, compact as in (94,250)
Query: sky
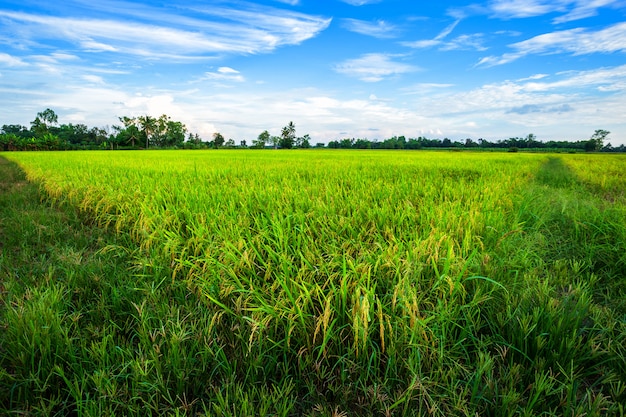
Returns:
(491,69)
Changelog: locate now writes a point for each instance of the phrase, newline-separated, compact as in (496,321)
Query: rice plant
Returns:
(322,283)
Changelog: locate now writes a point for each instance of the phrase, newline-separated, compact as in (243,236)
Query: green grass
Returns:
(313,283)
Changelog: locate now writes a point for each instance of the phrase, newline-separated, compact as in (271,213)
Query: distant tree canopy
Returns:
(144,131)
(45,133)
(530,142)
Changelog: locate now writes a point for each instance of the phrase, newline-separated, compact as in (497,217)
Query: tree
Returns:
(174,133)
(288,136)
(74,134)
(148,125)
(194,138)
(42,123)
(469,143)
(275,140)
(130,132)
(598,138)
(218,139)
(98,135)
(531,141)
(48,116)
(17,130)
(305,141)
(362,143)
(346,143)
(261,140)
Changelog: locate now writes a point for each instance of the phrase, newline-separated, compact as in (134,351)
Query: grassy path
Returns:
(93,325)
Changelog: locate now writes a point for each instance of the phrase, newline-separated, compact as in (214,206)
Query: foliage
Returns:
(596,141)
(261,140)
(376,283)
(163,132)
(288,136)
(218,139)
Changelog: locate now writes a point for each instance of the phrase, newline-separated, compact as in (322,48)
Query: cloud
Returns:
(525,8)
(425,88)
(462,42)
(560,105)
(439,110)
(602,79)
(437,40)
(473,42)
(223,31)
(569,10)
(422,44)
(448,30)
(94,79)
(93,46)
(578,41)
(360,2)
(533,77)
(572,9)
(373,67)
(377,29)
(11,61)
(584,9)
(535,108)
(225,74)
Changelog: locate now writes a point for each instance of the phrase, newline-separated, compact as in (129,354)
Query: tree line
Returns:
(45,133)
(595,143)
(144,132)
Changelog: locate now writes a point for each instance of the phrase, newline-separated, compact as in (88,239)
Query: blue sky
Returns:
(488,69)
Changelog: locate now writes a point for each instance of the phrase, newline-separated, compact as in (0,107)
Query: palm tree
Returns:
(148,125)
(288,136)
(130,131)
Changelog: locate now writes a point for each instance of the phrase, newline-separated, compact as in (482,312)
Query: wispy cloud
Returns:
(448,30)
(585,8)
(377,29)
(600,79)
(571,9)
(472,42)
(360,2)
(374,67)
(242,31)
(535,108)
(578,41)
(11,61)
(508,9)
(225,74)
(437,40)
(94,79)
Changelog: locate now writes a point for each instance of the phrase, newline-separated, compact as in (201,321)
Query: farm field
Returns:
(318,283)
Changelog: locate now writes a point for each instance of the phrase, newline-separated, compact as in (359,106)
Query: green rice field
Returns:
(312,283)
